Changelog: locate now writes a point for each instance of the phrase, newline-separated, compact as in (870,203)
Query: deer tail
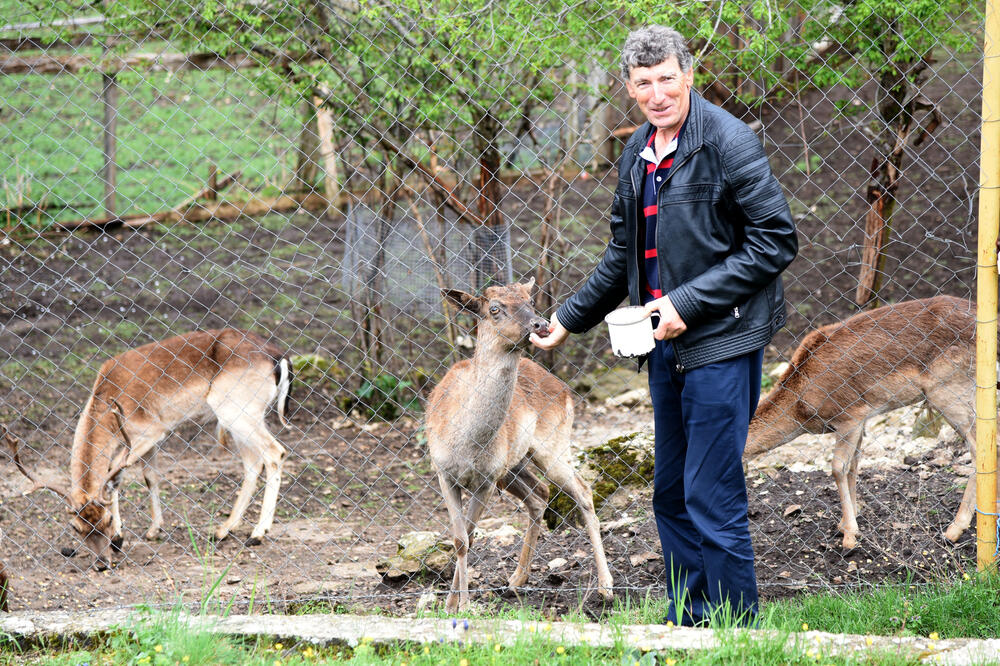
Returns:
(283,378)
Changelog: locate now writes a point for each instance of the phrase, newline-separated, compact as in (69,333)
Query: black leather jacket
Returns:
(724,234)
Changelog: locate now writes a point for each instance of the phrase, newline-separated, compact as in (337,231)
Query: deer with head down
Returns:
(144,393)
(875,361)
(495,421)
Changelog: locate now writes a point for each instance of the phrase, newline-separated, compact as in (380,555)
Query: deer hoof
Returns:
(606,593)
(152,535)
(953,533)
(101,564)
(253,541)
(850,541)
(451,603)
(517,579)
(116,542)
(66,551)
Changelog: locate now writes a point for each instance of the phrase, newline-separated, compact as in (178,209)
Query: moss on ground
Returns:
(619,462)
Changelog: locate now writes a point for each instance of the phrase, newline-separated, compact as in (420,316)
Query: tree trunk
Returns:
(327,152)
(306,152)
(490,242)
(898,111)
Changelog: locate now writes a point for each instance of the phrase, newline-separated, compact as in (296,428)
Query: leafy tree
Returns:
(394,69)
(758,48)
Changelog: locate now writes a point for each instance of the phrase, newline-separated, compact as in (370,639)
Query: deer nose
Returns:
(540,327)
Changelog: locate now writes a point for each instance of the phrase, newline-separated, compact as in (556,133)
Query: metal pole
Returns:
(986,298)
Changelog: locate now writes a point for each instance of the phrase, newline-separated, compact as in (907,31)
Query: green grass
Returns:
(170,127)
(968,608)
(160,639)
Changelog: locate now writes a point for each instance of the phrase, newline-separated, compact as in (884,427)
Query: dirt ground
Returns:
(354,485)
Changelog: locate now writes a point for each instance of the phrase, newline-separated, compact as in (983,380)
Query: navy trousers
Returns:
(701,418)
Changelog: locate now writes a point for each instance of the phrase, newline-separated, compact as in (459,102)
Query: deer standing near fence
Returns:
(875,361)
(144,393)
(497,419)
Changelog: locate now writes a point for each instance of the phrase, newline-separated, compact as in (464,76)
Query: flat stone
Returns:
(351,630)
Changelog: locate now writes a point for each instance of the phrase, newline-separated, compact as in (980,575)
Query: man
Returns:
(700,232)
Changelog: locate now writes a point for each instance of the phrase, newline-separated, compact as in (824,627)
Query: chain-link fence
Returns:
(316,173)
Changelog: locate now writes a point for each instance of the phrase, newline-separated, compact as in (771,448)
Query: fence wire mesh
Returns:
(317,172)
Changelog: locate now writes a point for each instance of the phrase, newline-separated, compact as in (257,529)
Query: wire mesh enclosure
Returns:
(316,173)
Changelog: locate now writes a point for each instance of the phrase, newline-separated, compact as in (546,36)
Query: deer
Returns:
(140,396)
(875,361)
(497,420)
(4,584)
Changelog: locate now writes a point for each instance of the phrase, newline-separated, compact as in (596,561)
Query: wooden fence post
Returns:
(110,90)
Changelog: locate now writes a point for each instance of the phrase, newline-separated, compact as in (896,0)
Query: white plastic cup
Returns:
(631,331)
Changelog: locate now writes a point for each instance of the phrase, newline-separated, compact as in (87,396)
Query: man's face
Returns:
(662,93)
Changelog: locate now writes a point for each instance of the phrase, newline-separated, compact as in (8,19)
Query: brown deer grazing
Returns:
(497,419)
(873,362)
(143,394)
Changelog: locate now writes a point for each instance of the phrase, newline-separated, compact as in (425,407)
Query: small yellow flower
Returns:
(548,626)
(560,650)
(965,576)
(464,662)
(185,659)
(308,652)
(277,662)
(805,626)
(531,628)
(158,648)
(278,646)
(670,623)
(669,662)
(868,640)
(934,636)
(427,650)
(497,647)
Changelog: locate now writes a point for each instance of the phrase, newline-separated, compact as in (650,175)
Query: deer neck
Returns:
(494,367)
(773,424)
(94,446)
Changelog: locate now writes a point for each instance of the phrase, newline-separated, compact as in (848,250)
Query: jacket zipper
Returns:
(678,367)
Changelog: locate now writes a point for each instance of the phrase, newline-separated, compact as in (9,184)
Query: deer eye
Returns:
(494,309)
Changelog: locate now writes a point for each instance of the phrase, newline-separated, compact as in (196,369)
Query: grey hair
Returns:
(653,44)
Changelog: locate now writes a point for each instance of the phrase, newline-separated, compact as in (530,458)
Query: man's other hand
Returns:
(671,324)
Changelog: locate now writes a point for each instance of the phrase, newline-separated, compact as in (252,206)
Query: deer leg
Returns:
(844,468)
(273,454)
(562,474)
(477,504)
(252,465)
(525,486)
(116,521)
(458,596)
(959,416)
(151,476)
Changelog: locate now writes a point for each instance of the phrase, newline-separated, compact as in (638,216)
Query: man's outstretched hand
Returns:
(557,335)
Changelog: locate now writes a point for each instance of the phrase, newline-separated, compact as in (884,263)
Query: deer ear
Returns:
(530,284)
(463,300)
